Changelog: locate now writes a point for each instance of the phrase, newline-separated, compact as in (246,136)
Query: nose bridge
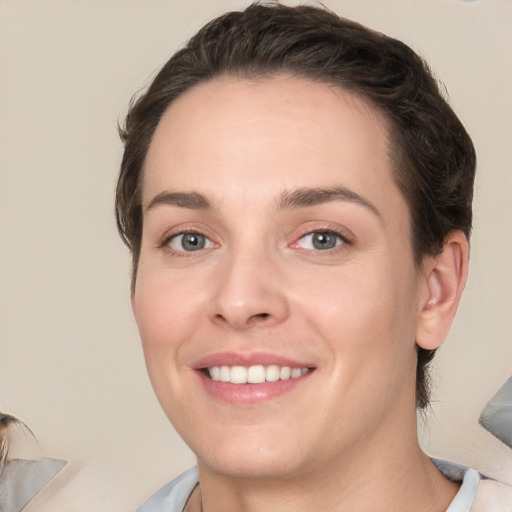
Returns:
(249,290)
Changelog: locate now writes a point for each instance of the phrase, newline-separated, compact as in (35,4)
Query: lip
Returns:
(247,359)
(248,395)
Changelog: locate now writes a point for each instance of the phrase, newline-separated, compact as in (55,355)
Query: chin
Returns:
(250,457)
(250,466)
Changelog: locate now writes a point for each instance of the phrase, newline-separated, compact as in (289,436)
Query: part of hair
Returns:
(433,156)
(8,421)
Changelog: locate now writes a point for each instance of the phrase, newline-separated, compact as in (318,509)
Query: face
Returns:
(276,297)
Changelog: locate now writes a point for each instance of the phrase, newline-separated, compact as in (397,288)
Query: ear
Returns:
(445,278)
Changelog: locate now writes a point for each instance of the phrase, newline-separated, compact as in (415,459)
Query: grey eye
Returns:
(189,242)
(320,241)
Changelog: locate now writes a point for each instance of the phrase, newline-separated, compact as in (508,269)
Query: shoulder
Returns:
(173,496)
(477,492)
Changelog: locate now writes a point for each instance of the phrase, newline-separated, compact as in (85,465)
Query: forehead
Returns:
(234,137)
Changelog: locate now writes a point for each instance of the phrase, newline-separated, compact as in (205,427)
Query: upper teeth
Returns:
(254,374)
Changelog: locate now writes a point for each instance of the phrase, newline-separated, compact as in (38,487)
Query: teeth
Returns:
(286,373)
(215,373)
(238,375)
(225,374)
(296,372)
(272,373)
(255,374)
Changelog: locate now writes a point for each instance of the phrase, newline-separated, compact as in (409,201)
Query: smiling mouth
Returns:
(257,374)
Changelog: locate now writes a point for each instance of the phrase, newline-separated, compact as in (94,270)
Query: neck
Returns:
(381,474)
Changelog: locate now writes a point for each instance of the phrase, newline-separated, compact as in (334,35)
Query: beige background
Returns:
(71,364)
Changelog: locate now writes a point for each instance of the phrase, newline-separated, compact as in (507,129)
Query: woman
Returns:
(296,195)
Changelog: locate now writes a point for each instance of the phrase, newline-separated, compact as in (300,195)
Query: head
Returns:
(433,159)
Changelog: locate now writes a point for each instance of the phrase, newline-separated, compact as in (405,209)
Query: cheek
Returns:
(366,315)
(167,312)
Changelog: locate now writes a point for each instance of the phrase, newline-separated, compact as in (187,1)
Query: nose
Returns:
(250,291)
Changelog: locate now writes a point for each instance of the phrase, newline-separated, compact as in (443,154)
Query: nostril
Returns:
(261,315)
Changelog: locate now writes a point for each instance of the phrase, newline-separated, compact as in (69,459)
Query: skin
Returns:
(344,438)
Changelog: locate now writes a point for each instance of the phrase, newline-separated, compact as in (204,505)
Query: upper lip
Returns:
(247,359)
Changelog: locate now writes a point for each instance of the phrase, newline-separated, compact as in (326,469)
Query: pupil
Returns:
(324,240)
(193,242)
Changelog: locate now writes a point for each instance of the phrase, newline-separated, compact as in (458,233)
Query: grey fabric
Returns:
(174,496)
(21,480)
(497,414)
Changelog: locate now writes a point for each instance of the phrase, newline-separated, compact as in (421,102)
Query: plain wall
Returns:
(71,364)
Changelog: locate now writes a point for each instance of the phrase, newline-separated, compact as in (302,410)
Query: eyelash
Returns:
(328,230)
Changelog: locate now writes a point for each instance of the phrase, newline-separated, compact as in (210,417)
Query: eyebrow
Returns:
(289,199)
(304,197)
(190,200)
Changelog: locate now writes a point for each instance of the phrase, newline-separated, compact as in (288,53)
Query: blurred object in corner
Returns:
(497,414)
(23,470)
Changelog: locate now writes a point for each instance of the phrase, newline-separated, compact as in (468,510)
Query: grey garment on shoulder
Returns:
(470,479)
(497,414)
(21,480)
(173,496)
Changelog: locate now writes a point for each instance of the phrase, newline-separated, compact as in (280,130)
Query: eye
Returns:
(189,242)
(320,240)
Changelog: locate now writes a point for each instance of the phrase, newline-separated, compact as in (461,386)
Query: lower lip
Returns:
(249,394)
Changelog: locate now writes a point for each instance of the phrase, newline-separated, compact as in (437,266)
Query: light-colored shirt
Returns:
(476,494)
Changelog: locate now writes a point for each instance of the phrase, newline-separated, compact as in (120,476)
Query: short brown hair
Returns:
(433,154)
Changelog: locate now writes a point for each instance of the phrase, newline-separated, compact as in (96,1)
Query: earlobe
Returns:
(445,280)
